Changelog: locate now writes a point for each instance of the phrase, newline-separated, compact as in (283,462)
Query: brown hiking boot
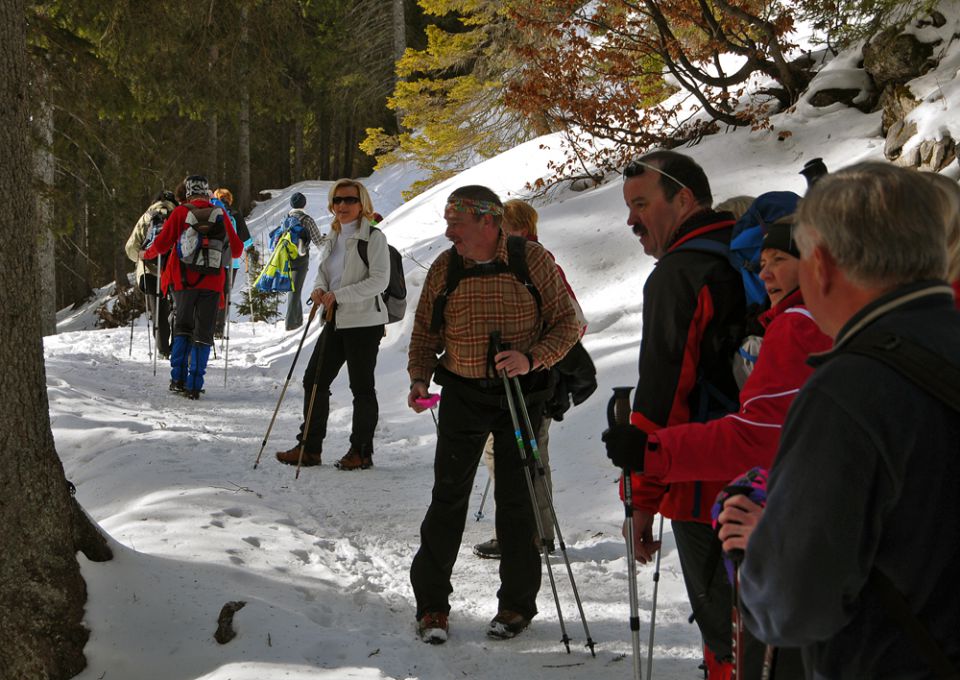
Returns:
(507,624)
(355,460)
(432,628)
(292,456)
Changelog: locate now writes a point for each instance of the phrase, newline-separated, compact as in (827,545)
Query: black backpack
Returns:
(202,244)
(516,265)
(395,296)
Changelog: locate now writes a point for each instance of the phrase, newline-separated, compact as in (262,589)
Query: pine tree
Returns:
(450,95)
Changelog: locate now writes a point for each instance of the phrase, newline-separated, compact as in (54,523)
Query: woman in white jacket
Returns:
(351,286)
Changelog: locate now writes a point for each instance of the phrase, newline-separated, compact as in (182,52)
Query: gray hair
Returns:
(882,224)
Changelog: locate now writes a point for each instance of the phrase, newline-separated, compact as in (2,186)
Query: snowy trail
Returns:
(321,561)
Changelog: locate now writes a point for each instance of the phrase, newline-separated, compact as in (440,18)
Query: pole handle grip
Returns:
(618,408)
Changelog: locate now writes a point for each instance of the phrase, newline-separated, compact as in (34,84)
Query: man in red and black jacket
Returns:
(196,295)
(693,314)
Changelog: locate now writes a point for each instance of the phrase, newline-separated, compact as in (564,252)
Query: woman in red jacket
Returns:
(194,263)
(724,448)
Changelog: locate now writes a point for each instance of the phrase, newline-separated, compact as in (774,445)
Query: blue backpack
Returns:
(290,225)
(743,252)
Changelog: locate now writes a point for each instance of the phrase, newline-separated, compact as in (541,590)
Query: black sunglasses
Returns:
(349,200)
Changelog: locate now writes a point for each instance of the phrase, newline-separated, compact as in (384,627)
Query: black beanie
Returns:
(298,200)
(779,235)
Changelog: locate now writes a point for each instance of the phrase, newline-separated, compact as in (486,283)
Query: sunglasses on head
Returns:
(349,200)
(637,168)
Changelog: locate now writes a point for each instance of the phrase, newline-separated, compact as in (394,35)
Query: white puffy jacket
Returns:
(358,298)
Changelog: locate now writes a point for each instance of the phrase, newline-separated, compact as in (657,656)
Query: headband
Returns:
(472,205)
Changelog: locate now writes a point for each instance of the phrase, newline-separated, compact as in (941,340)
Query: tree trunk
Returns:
(46,250)
(324,125)
(399,45)
(213,160)
(243,139)
(42,593)
(243,134)
(298,149)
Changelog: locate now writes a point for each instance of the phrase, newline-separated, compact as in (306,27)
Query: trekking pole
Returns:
(483,499)
(618,413)
(653,611)
(286,382)
(133,318)
(327,316)
(149,330)
(497,347)
(226,337)
(542,474)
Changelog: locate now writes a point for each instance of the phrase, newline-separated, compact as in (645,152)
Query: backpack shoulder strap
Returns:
(454,274)
(517,262)
(705,245)
(362,249)
(930,371)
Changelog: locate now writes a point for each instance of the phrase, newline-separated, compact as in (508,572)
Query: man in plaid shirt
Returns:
(455,352)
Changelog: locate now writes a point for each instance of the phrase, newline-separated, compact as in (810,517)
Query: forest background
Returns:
(105,102)
(130,97)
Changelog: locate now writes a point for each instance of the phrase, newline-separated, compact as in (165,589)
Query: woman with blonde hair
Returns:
(350,279)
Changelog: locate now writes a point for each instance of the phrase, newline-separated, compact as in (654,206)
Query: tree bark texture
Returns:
(46,250)
(243,134)
(42,593)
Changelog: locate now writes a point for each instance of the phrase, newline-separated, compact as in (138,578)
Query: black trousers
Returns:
(298,272)
(358,347)
(195,312)
(161,317)
(229,278)
(711,595)
(464,425)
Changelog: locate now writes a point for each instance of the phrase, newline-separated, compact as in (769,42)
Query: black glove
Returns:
(626,445)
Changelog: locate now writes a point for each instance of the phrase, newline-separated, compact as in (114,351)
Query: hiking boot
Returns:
(177,386)
(292,457)
(432,628)
(193,394)
(488,550)
(507,624)
(356,460)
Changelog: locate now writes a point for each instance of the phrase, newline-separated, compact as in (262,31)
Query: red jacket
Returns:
(724,448)
(167,239)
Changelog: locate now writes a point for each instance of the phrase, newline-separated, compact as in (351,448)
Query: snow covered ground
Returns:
(322,561)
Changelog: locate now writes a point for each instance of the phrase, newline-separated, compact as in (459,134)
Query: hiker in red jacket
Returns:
(197,241)
(724,448)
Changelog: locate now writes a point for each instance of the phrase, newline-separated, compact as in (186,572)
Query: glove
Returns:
(626,445)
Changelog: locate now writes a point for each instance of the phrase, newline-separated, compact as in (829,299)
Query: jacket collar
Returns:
(702,223)
(910,296)
(791,300)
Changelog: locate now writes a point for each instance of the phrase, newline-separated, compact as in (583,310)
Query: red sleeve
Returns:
(725,448)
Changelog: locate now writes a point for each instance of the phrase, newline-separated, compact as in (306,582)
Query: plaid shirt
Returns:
(483,304)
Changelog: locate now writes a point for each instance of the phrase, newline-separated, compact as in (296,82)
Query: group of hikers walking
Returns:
(795,415)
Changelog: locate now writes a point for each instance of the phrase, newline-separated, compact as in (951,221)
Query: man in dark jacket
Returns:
(862,505)
(693,312)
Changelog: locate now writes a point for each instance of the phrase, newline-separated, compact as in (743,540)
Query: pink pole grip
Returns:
(429,401)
